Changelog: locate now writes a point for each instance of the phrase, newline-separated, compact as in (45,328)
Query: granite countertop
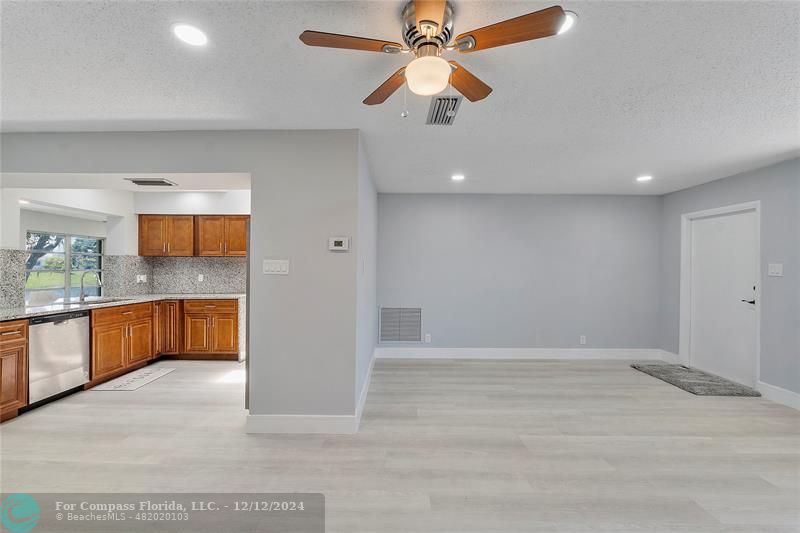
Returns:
(17,313)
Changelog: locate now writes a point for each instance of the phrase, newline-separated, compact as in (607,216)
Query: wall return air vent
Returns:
(443,110)
(152,182)
(401,324)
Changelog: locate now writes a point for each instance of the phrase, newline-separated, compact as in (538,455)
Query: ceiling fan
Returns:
(428,32)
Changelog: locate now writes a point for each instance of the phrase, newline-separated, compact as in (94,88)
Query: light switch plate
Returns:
(276,267)
(775,269)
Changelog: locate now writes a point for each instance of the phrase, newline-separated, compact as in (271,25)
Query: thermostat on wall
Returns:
(338,244)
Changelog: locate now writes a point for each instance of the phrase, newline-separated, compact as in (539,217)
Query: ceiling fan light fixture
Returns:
(428,75)
(190,34)
(570,18)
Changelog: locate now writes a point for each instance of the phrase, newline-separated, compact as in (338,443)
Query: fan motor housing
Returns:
(414,39)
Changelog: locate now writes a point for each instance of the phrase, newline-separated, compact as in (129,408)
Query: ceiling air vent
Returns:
(443,110)
(152,182)
(401,324)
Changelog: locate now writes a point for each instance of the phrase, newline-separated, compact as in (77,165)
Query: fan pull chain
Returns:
(450,111)
(404,113)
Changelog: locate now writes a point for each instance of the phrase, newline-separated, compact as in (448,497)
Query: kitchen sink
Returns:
(99,300)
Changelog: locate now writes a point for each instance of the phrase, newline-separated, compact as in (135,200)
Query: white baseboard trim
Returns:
(669,357)
(333,424)
(411,352)
(779,395)
(362,398)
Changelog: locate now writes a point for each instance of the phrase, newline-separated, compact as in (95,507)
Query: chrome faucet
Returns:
(82,297)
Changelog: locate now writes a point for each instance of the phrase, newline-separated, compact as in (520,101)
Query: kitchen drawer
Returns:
(13,331)
(121,313)
(209,306)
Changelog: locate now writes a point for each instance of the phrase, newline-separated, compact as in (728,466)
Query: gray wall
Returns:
(778,189)
(366,248)
(523,271)
(304,189)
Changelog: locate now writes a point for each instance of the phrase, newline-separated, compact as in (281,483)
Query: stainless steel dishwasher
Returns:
(58,354)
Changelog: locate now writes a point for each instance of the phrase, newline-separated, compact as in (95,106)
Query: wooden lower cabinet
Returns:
(109,349)
(140,341)
(224,334)
(128,336)
(211,328)
(13,368)
(197,333)
(171,311)
(122,338)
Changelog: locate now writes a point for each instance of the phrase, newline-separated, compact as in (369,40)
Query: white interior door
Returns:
(723,273)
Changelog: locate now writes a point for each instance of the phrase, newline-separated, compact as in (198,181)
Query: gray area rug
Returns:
(134,380)
(694,381)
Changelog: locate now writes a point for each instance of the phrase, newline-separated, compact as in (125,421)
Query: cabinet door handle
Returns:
(226,247)
(10,333)
(169,247)
(211,307)
(127,312)
(165,248)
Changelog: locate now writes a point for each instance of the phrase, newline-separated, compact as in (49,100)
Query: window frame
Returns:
(68,270)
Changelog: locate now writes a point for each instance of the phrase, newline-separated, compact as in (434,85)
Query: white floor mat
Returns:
(134,380)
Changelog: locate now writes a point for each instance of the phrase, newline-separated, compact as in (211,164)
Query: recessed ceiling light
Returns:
(24,202)
(457,177)
(568,23)
(190,34)
(642,179)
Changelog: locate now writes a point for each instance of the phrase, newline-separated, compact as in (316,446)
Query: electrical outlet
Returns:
(141,278)
(427,338)
(200,277)
(583,339)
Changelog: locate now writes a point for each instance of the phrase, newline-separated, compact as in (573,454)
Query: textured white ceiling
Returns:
(686,91)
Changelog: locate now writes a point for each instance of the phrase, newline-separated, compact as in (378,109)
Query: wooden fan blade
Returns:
(535,25)
(336,40)
(387,88)
(429,11)
(468,84)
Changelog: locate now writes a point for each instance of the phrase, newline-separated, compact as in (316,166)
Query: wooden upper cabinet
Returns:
(171,235)
(152,235)
(210,235)
(236,235)
(221,235)
(188,235)
(181,235)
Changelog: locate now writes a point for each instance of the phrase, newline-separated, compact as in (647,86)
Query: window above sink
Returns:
(55,264)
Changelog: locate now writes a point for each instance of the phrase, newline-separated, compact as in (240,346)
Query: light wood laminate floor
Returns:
(473,446)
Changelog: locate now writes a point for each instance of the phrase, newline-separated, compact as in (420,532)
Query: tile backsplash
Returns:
(12,277)
(181,274)
(178,275)
(119,276)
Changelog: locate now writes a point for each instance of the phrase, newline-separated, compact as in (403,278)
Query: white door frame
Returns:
(685,330)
